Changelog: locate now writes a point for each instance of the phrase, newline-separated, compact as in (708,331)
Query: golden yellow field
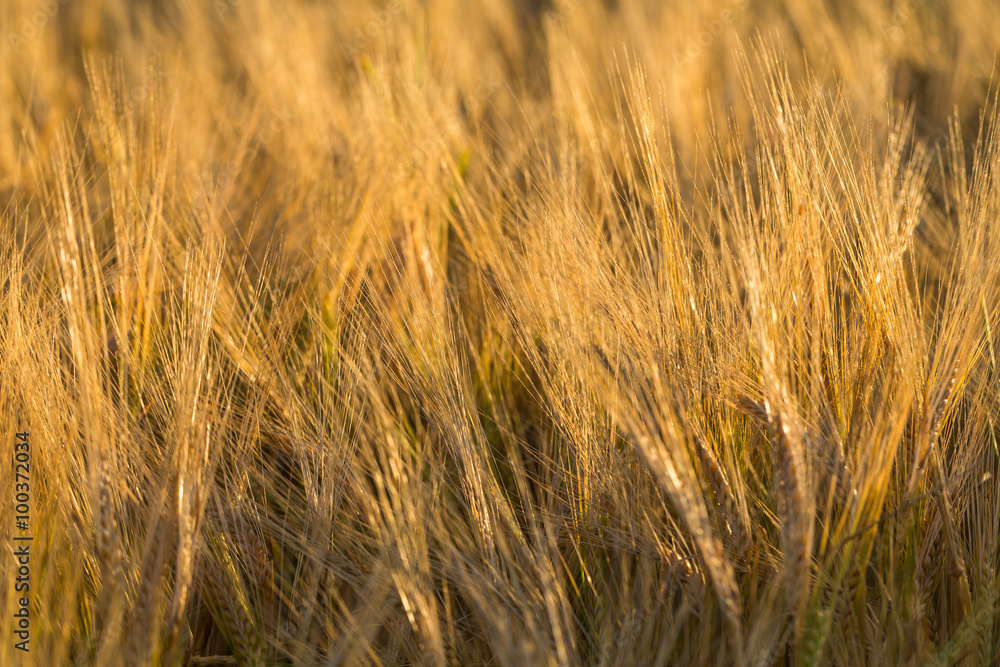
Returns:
(508,332)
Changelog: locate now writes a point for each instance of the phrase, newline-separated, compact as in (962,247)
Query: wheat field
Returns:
(508,332)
